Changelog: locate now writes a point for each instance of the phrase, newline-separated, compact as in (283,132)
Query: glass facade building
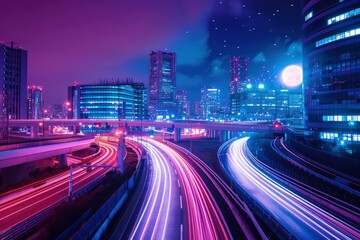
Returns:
(210,103)
(238,82)
(35,102)
(162,84)
(331,66)
(13,81)
(114,100)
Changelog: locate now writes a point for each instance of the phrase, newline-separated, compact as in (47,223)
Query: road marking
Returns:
(180,202)
(175,171)
(181,232)
(179,183)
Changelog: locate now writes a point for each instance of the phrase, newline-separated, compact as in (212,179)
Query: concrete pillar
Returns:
(121,155)
(177,134)
(224,135)
(63,160)
(34,131)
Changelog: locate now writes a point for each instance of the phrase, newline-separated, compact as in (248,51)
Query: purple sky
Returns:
(84,41)
(89,40)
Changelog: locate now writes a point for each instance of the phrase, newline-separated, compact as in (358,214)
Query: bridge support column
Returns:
(121,155)
(224,136)
(177,134)
(63,160)
(34,131)
(213,134)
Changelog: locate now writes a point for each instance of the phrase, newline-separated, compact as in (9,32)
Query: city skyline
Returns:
(72,41)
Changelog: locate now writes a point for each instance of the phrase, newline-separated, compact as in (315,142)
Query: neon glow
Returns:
(292,76)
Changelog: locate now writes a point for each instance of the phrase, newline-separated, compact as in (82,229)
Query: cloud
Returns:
(295,48)
(260,57)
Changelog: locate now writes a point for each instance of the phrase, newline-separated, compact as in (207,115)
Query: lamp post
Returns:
(41,124)
(68,109)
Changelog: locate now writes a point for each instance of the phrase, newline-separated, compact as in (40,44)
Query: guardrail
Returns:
(115,202)
(314,173)
(28,224)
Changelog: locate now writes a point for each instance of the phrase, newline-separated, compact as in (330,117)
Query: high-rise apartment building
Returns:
(13,82)
(210,103)
(35,102)
(238,82)
(162,84)
(108,100)
(331,66)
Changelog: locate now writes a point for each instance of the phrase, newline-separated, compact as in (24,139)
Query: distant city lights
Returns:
(292,76)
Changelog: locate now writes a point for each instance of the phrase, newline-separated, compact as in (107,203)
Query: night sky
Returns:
(89,40)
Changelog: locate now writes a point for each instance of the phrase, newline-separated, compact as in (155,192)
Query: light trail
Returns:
(302,218)
(16,207)
(153,221)
(205,220)
(344,179)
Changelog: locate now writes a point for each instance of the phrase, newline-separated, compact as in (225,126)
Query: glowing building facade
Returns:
(210,103)
(162,84)
(113,100)
(238,82)
(13,82)
(331,64)
(35,102)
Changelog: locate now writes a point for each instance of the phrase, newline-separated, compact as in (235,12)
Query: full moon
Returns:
(292,76)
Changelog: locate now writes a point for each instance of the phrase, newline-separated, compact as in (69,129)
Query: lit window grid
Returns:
(343,16)
(335,136)
(341,118)
(337,37)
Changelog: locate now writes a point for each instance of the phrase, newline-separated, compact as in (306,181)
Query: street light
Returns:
(41,124)
(68,109)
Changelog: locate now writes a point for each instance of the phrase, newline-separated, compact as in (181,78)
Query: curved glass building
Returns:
(113,100)
(331,65)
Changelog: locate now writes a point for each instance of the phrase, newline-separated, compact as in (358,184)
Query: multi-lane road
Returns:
(185,199)
(301,217)
(20,204)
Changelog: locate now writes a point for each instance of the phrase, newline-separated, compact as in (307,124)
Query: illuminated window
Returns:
(344,16)
(308,16)
(337,37)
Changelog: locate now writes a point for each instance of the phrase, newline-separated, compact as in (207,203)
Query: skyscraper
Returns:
(13,81)
(238,74)
(210,103)
(237,85)
(35,102)
(162,84)
(331,64)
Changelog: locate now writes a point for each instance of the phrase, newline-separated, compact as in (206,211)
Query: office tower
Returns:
(265,103)
(183,104)
(108,100)
(162,84)
(13,81)
(238,82)
(210,103)
(35,102)
(197,112)
(331,66)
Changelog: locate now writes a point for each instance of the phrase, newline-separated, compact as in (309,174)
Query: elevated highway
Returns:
(214,129)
